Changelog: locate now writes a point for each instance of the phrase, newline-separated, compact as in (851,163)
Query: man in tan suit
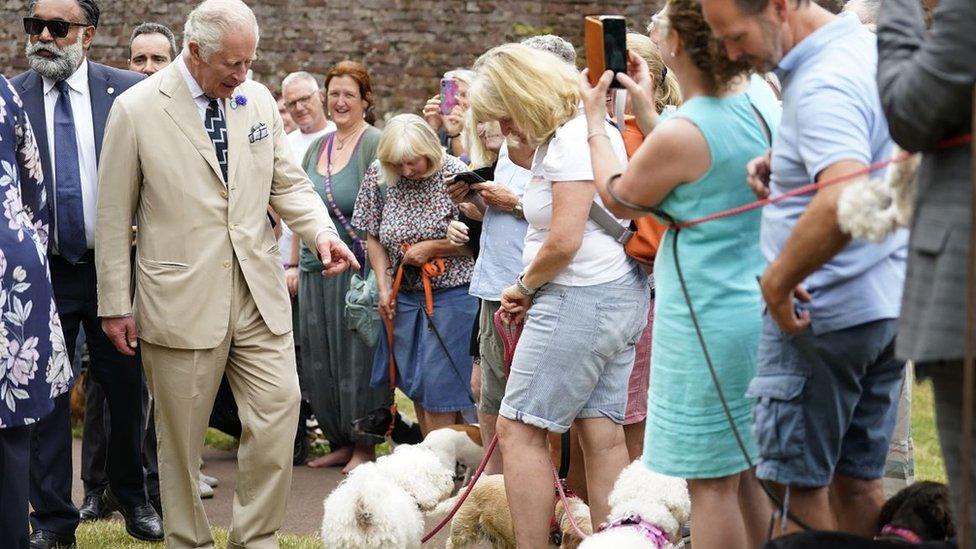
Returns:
(196,154)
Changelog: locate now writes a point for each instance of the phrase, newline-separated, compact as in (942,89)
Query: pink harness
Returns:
(653,534)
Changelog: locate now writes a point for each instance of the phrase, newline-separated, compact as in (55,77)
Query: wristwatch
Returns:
(518,211)
(522,288)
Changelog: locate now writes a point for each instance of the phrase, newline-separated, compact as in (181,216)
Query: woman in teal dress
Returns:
(336,363)
(691,165)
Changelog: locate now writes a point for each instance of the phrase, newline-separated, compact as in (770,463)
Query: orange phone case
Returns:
(595,54)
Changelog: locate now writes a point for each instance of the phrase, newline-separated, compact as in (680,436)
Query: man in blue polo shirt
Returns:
(826,392)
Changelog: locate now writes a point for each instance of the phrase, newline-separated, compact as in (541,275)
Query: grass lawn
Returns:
(111,534)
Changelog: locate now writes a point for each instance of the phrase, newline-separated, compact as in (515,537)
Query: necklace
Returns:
(341,141)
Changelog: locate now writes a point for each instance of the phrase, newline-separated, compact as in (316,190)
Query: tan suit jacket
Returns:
(158,166)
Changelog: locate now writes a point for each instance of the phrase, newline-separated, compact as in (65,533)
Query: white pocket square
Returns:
(258,132)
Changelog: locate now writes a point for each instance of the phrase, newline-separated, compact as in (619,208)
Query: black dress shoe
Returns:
(93,508)
(157,504)
(42,539)
(141,522)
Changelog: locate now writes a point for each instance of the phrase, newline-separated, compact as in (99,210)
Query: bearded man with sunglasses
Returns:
(67,99)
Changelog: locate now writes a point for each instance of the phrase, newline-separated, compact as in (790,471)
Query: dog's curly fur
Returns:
(367,511)
(420,473)
(485,518)
(660,500)
(453,447)
(381,504)
(871,209)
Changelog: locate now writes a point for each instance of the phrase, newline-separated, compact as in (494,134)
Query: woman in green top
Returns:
(336,364)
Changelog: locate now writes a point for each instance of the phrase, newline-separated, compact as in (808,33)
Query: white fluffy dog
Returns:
(420,473)
(871,209)
(647,511)
(457,445)
(367,511)
(380,505)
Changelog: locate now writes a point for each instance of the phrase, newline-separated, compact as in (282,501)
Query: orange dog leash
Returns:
(433,268)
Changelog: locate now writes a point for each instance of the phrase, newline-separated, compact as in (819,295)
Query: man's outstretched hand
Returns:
(335,255)
(122,332)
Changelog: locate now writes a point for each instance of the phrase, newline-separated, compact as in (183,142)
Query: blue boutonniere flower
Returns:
(239,101)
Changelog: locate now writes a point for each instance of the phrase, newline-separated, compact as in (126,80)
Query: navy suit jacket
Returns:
(104,83)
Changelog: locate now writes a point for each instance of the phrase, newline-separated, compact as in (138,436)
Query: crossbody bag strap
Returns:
(330,201)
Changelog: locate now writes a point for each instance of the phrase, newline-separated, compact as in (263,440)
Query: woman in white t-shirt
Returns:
(583,300)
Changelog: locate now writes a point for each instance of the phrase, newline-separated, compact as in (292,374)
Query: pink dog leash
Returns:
(650,531)
(509,334)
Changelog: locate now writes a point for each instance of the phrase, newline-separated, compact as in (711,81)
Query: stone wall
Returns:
(405,44)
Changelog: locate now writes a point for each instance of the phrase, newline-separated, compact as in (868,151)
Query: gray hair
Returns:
(558,46)
(866,10)
(90,7)
(209,22)
(155,28)
(464,75)
(300,76)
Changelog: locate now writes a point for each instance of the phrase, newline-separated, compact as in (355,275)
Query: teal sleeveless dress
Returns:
(688,435)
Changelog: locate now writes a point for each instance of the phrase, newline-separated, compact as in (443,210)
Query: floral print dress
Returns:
(34,366)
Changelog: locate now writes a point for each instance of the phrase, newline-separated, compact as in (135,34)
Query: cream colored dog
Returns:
(485,518)
(871,209)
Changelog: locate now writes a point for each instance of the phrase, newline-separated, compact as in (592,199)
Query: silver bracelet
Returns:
(522,288)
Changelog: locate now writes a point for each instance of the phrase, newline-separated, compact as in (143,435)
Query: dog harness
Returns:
(897,532)
(634,521)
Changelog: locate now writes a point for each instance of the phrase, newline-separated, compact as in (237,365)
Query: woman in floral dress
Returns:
(34,365)
(403,203)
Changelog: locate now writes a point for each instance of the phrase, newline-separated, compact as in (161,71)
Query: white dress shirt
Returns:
(80,97)
(196,92)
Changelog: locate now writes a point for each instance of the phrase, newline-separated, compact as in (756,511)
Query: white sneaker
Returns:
(209,480)
(206,492)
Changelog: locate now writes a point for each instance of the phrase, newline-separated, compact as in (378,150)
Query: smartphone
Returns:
(606,46)
(469,177)
(449,90)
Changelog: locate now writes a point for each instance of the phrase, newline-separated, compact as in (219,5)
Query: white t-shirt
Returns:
(298,142)
(600,258)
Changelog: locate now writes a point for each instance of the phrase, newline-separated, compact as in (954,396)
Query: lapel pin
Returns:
(110,91)
(238,101)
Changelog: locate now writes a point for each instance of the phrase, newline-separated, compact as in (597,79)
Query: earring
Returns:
(673,53)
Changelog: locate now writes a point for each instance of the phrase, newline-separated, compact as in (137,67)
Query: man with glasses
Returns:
(67,99)
(302,100)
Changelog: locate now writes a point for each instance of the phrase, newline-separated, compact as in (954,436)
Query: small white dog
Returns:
(647,511)
(381,504)
(459,444)
(420,473)
(871,209)
(367,511)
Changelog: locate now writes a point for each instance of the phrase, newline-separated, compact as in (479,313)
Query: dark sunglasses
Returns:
(59,29)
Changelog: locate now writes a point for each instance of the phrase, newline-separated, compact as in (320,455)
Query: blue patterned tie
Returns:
(217,130)
(69,208)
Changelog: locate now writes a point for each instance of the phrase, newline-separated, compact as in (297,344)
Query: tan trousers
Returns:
(261,369)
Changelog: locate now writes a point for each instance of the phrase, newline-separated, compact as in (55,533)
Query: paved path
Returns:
(304,512)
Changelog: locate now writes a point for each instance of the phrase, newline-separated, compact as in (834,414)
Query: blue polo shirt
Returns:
(832,112)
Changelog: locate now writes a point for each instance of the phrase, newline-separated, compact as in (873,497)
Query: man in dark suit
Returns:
(67,99)
(926,79)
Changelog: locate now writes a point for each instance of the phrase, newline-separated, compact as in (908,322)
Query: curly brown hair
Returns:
(706,52)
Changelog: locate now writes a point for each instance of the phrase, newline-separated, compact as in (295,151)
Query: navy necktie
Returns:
(217,129)
(69,208)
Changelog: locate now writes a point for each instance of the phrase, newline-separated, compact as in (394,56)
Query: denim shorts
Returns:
(576,353)
(825,403)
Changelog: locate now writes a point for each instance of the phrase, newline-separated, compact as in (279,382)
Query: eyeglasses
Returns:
(303,100)
(59,29)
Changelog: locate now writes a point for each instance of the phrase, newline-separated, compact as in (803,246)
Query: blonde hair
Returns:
(537,91)
(479,155)
(667,92)
(408,136)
